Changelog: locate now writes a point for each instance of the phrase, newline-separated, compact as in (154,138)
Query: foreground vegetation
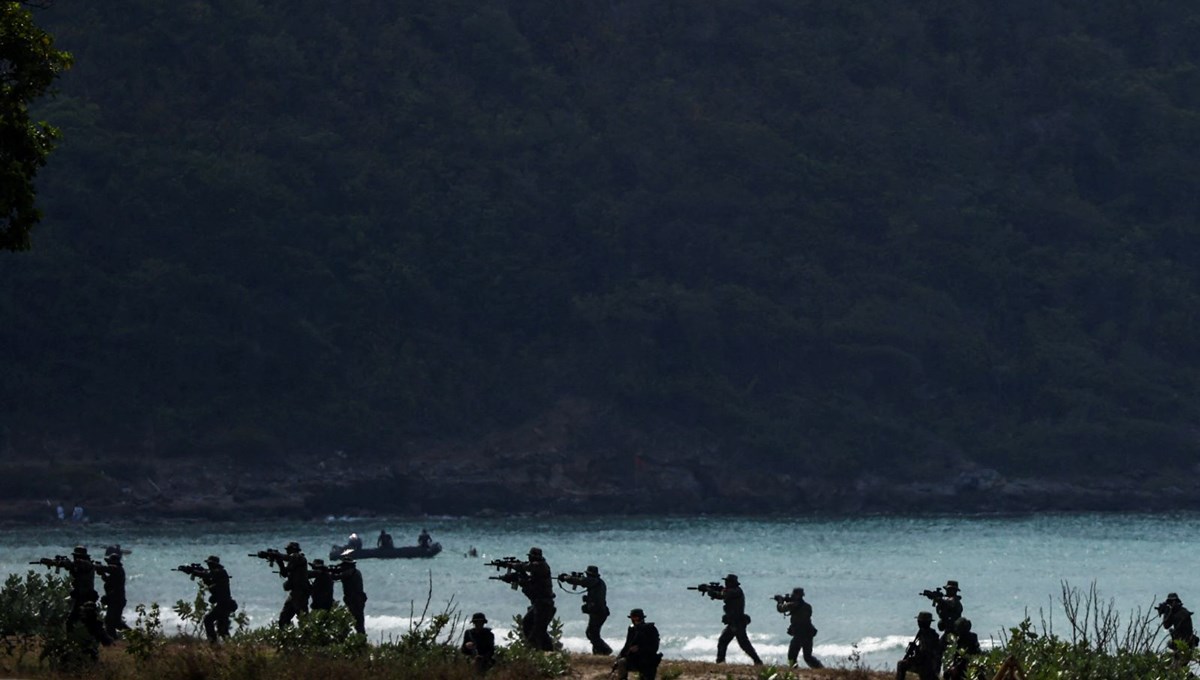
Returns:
(836,236)
(1099,646)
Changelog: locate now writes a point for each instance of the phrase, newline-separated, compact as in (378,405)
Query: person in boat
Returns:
(424,540)
(354,542)
(112,573)
(384,540)
(352,593)
(479,644)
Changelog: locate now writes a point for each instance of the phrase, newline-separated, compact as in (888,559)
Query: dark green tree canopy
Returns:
(28,66)
(836,238)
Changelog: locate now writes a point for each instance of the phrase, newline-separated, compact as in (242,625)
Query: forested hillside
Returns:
(825,236)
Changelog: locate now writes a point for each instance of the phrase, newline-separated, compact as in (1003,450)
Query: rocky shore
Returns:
(571,461)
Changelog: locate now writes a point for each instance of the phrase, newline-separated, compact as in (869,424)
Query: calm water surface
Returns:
(862,575)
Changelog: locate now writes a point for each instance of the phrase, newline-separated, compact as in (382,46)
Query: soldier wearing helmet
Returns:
(640,651)
(924,653)
(352,593)
(479,643)
(321,585)
(216,621)
(83,583)
(966,645)
(112,573)
(537,584)
(801,627)
(595,605)
(294,571)
(735,619)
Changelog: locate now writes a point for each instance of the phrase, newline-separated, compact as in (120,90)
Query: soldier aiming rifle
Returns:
(595,604)
(215,579)
(534,579)
(734,618)
(801,627)
(948,605)
(293,567)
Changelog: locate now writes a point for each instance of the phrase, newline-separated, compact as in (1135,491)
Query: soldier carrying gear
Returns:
(948,605)
(966,645)
(924,653)
(479,643)
(89,617)
(801,627)
(1178,622)
(216,581)
(536,583)
(83,582)
(735,618)
(352,593)
(294,570)
(640,651)
(321,586)
(595,604)
(112,573)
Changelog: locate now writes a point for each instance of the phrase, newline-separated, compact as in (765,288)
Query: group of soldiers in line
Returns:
(308,587)
(311,587)
(640,651)
(85,601)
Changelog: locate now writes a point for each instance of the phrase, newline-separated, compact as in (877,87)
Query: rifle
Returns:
(271,555)
(710,587)
(575,579)
(933,595)
(58,562)
(193,570)
(781,600)
(510,563)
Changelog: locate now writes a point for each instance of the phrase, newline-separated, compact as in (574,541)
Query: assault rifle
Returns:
(933,595)
(782,599)
(193,570)
(710,587)
(58,562)
(515,568)
(575,579)
(331,569)
(510,563)
(271,555)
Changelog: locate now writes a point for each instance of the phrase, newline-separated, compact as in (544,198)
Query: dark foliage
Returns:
(826,233)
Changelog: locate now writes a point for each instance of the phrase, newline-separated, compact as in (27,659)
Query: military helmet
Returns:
(318,562)
(593,569)
(731,579)
(348,561)
(1173,597)
(535,552)
(637,614)
(80,551)
(797,592)
(113,558)
(478,617)
(924,617)
(212,559)
(962,625)
(951,585)
(293,547)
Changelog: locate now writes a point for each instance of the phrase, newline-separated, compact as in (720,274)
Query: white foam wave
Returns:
(867,645)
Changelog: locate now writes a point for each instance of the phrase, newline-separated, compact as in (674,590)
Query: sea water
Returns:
(863,575)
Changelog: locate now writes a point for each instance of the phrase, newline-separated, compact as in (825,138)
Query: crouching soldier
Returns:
(479,643)
(640,652)
(924,653)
